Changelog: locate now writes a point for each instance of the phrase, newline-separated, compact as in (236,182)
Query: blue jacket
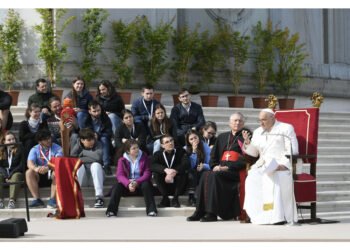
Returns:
(139,111)
(193,157)
(83,100)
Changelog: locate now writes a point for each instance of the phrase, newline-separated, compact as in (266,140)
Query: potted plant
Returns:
(91,39)
(263,59)
(10,34)
(290,68)
(51,51)
(124,37)
(185,43)
(235,51)
(151,47)
(207,59)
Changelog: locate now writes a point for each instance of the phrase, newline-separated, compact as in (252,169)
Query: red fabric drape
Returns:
(69,198)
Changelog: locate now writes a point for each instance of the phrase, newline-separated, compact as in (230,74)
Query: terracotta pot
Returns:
(14,95)
(259,102)
(286,103)
(58,92)
(176,99)
(93,93)
(236,101)
(126,96)
(157,96)
(209,100)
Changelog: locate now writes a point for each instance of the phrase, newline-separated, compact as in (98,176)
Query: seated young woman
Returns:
(133,175)
(11,168)
(128,129)
(28,128)
(208,132)
(199,153)
(160,125)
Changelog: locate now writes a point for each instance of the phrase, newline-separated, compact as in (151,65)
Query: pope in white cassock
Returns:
(269,195)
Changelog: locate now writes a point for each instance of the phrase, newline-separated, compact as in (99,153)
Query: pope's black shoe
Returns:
(165,202)
(196,216)
(208,217)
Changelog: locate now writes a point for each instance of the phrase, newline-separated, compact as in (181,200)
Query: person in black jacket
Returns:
(28,128)
(169,168)
(186,115)
(100,123)
(128,129)
(6,118)
(42,97)
(81,98)
(110,102)
(11,168)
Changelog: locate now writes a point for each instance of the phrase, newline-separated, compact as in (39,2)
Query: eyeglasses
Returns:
(184,96)
(211,133)
(168,142)
(262,120)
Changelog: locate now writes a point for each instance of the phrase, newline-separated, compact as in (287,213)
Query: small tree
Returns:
(263,40)
(124,37)
(291,57)
(185,43)
(10,34)
(207,59)
(151,48)
(235,51)
(51,50)
(91,39)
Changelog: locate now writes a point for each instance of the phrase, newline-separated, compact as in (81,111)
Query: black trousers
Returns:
(120,190)
(193,178)
(177,188)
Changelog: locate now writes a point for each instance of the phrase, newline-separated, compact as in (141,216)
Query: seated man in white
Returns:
(269,195)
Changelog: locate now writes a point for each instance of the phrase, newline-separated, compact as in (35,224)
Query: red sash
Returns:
(230,156)
(69,198)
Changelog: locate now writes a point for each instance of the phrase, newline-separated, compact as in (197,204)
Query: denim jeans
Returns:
(81,116)
(115,121)
(106,145)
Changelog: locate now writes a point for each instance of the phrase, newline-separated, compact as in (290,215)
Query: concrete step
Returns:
(321,150)
(324,167)
(333,176)
(333,158)
(333,186)
(329,142)
(333,206)
(338,195)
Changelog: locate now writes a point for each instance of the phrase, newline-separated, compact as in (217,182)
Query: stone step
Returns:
(333,176)
(329,142)
(333,158)
(322,150)
(333,206)
(338,195)
(332,186)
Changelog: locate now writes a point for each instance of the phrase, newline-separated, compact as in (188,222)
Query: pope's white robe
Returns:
(269,197)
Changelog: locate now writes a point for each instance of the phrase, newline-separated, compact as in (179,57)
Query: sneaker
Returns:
(52,203)
(111,214)
(37,203)
(2,205)
(99,203)
(12,204)
(152,214)
(108,170)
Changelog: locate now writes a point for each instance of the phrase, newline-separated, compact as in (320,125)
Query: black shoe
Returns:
(175,202)
(196,216)
(191,200)
(208,217)
(165,202)
(108,170)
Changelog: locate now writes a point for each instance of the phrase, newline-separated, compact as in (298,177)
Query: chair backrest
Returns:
(305,123)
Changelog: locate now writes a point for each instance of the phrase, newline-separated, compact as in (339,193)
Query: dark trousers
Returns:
(166,188)
(193,178)
(120,190)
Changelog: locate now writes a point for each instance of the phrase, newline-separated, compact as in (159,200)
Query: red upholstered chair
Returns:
(305,123)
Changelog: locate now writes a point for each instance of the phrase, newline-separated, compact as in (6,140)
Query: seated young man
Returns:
(186,115)
(169,170)
(100,123)
(89,150)
(39,173)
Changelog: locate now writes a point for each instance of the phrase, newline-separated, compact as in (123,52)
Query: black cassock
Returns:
(217,191)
